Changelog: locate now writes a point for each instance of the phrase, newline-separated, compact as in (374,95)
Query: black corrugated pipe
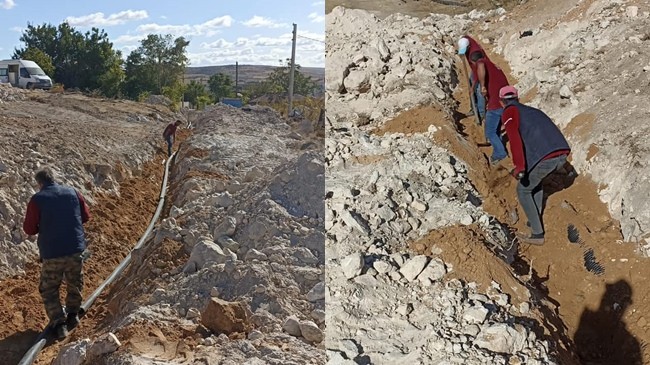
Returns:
(41,340)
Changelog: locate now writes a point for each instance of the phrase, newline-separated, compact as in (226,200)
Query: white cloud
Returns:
(126,39)
(7,4)
(259,50)
(318,3)
(17,29)
(248,42)
(208,28)
(100,20)
(316,18)
(259,21)
(163,17)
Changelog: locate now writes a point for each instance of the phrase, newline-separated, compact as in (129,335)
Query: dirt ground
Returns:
(595,319)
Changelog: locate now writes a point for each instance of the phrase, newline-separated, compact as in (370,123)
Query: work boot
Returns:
(72,321)
(533,239)
(61,330)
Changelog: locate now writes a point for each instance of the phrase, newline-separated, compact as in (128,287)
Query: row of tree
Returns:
(88,62)
(221,86)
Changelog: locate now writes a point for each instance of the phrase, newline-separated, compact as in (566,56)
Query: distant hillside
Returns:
(247,73)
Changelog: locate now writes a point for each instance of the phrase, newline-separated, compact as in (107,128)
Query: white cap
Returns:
(463,44)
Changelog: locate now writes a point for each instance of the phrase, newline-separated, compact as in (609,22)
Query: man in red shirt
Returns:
(538,148)
(466,46)
(491,79)
(170,134)
(57,214)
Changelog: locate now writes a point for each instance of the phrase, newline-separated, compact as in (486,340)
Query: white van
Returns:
(25,74)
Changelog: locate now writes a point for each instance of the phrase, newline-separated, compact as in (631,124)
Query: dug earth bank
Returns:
(232,274)
(422,267)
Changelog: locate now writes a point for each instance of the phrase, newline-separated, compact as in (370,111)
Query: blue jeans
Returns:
(170,143)
(479,99)
(492,122)
(531,193)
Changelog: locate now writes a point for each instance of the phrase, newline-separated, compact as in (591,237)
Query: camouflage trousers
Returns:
(52,273)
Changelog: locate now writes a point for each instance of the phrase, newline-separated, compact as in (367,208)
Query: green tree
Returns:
(175,93)
(84,61)
(193,91)
(279,81)
(202,101)
(220,86)
(159,62)
(41,58)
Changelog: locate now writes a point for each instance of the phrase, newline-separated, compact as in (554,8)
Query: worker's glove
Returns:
(517,175)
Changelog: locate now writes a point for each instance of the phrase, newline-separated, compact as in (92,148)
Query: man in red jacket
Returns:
(491,79)
(538,148)
(57,214)
(170,134)
(466,46)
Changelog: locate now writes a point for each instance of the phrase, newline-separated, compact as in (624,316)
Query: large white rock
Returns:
(413,267)
(227,227)
(475,315)
(106,344)
(311,332)
(357,81)
(317,292)
(74,354)
(291,325)
(352,265)
(501,338)
(434,271)
(207,251)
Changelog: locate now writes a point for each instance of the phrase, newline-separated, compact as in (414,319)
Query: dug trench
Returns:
(117,221)
(587,288)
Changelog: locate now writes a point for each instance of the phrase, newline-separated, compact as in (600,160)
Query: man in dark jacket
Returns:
(57,213)
(538,148)
(169,134)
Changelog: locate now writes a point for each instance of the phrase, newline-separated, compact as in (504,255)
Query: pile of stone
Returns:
(9,93)
(385,305)
(248,211)
(373,79)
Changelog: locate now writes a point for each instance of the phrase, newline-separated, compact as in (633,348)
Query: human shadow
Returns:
(14,347)
(602,337)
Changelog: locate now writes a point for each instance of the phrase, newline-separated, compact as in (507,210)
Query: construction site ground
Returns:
(575,305)
(118,219)
(594,319)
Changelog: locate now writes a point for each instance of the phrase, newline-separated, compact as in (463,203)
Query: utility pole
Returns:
(236,77)
(293,67)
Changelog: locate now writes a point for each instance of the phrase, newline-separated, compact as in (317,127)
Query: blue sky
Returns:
(220,32)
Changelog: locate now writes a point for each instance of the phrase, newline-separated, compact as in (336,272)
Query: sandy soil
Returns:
(591,317)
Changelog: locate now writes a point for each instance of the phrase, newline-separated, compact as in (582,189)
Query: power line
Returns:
(311,39)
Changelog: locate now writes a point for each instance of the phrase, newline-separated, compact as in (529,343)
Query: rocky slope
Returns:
(387,304)
(92,144)
(235,273)
(587,62)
